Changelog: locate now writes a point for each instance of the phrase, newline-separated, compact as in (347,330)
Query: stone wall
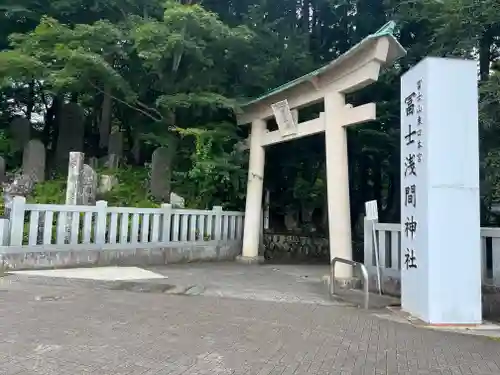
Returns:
(195,252)
(285,247)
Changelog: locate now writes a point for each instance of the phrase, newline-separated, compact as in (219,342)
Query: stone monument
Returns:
(106,183)
(89,185)
(71,132)
(177,201)
(136,147)
(440,221)
(34,160)
(74,182)
(160,184)
(94,162)
(73,187)
(20,128)
(18,185)
(115,149)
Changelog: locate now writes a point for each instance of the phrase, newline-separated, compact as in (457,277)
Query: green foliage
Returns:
(195,101)
(64,57)
(2,205)
(216,176)
(490,184)
(158,69)
(17,66)
(131,190)
(5,143)
(49,192)
(309,194)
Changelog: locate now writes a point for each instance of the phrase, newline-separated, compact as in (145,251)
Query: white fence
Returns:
(47,227)
(389,244)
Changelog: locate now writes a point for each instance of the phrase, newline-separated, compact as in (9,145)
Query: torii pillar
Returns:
(355,69)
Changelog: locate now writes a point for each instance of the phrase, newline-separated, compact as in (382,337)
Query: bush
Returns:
(132,189)
(49,192)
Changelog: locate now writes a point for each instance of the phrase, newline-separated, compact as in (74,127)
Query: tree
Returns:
(164,71)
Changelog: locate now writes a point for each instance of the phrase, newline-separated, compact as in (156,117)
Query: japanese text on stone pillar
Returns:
(412,154)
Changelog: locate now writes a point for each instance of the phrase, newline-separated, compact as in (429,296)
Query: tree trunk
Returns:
(393,200)
(51,130)
(51,121)
(306,12)
(377,180)
(485,54)
(105,124)
(31,100)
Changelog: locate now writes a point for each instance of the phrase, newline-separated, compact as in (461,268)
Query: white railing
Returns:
(47,227)
(389,244)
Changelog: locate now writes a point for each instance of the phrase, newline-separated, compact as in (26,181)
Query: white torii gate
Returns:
(355,69)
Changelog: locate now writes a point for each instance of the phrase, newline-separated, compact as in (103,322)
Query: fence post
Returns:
(101,222)
(17,221)
(4,232)
(218,222)
(368,243)
(495,254)
(166,209)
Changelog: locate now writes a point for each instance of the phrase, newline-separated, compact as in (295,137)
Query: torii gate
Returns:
(355,69)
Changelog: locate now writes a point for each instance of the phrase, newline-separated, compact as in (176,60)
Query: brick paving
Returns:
(71,329)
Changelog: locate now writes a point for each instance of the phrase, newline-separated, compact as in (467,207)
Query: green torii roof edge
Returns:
(386,30)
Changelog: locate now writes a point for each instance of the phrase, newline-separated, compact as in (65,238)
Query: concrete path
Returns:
(61,326)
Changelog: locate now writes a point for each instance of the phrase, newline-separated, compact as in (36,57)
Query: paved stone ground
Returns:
(67,328)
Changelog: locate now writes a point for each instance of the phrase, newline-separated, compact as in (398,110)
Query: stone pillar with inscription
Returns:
(440,221)
(73,186)
(89,185)
(74,182)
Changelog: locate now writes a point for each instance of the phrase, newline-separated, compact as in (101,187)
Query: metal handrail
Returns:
(352,263)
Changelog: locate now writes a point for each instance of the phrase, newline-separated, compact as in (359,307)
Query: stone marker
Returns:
(176,200)
(115,149)
(71,132)
(440,220)
(106,183)
(94,162)
(21,129)
(73,188)
(20,185)
(112,161)
(34,160)
(74,182)
(160,184)
(136,147)
(89,185)
(291,220)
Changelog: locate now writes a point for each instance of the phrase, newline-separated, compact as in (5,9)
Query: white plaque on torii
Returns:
(284,118)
